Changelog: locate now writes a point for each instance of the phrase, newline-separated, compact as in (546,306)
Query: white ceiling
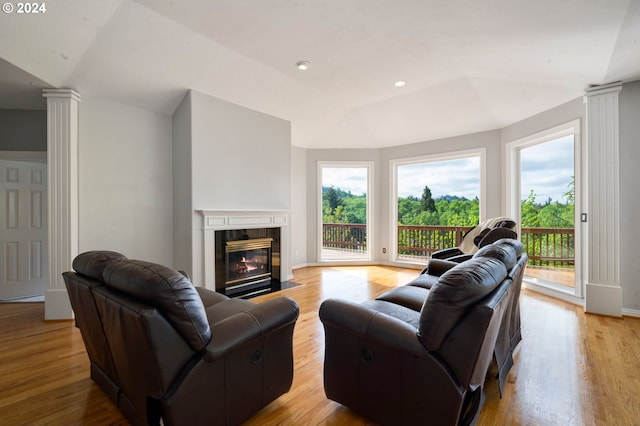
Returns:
(470,65)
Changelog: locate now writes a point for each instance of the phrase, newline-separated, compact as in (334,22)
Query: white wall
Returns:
(629,196)
(182,199)
(125,181)
(241,158)
(299,222)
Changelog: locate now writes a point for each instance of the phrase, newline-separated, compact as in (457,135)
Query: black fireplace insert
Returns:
(247,263)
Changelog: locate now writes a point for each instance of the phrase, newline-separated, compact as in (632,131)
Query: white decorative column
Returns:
(603,291)
(62,163)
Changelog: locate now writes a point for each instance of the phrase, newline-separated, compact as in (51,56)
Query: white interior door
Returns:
(23,228)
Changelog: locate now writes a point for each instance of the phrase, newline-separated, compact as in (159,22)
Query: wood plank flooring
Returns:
(571,368)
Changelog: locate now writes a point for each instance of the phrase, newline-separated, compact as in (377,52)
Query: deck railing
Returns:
(549,247)
(345,236)
(422,241)
(546,247)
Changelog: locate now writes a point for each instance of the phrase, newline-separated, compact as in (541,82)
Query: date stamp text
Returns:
(24,8)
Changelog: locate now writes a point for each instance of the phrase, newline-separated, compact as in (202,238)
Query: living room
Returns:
(153,151)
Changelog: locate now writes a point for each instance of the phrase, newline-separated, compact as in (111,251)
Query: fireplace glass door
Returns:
(248,262)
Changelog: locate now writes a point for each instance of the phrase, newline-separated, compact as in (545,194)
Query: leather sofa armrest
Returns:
(210,297)
(375,327)
(446,253)
(437,267)
(242,327)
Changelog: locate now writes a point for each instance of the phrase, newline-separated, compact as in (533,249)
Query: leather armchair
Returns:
(182,354)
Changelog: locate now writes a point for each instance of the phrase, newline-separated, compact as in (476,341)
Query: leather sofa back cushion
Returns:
(503,252)
(456,290)
(92,263)
(167,290)
(517,245)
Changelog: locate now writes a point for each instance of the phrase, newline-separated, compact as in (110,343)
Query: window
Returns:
(345,210)
(438,200)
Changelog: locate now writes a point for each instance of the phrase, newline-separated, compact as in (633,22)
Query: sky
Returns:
(459,177)
(546,168)
(346,178)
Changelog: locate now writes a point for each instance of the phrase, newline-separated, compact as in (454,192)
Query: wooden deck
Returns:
(565,277)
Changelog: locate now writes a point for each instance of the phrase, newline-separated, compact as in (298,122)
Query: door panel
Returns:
(23,226)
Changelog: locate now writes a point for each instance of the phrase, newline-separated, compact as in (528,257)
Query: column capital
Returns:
(603,89)
(61,94)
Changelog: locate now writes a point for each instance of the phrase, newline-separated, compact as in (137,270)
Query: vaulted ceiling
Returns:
(469,65)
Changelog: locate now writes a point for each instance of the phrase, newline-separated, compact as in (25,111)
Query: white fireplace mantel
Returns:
(219,220)
(237,219)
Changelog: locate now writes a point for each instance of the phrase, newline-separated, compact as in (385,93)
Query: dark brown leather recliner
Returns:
(164,349)
(416,355)
(510,332)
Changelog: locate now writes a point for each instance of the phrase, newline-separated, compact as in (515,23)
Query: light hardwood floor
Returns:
(571,368)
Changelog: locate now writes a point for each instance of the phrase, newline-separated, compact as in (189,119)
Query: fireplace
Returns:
(222,226)
(247,261)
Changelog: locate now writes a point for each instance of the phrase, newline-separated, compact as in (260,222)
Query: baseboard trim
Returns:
(603,300)
(631,312)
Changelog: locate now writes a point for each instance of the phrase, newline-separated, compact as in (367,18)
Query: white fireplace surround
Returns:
(221,220)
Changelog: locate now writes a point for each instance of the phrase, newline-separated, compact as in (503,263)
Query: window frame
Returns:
(512,200)
(369,166)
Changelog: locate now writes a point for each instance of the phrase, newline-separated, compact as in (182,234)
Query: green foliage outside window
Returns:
(341,207)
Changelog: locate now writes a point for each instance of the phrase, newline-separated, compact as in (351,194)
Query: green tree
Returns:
(428,204)
(333,198)
(355,208)
(427,218)
(408,209)
(570,195)
(529,212)
(552,216)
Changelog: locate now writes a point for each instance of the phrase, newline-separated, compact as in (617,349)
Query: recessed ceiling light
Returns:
(303,65)
(399,83)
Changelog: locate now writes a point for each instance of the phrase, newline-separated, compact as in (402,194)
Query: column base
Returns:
(603,300)
(57,305)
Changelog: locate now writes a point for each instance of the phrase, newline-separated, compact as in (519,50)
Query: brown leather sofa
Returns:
(419,354)
(161,348)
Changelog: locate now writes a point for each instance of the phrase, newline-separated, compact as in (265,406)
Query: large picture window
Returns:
(438,200)
(345,211)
